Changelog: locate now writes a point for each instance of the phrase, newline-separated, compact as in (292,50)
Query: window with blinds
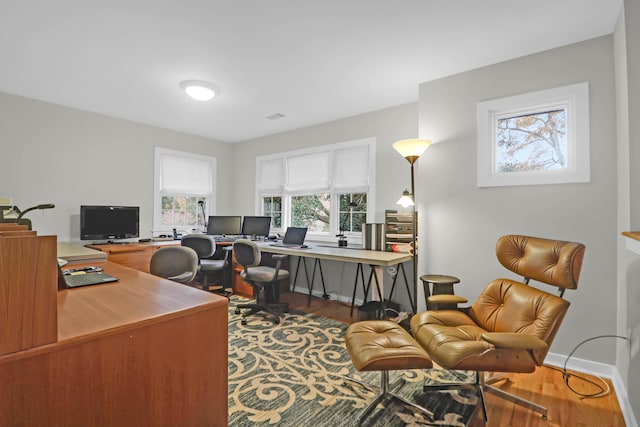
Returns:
(184,190)
(327,189)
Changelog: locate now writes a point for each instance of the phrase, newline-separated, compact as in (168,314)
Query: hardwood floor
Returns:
(545,387)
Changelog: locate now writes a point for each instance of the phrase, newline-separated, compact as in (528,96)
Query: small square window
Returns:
(272,206)
(353,211)
(536,138)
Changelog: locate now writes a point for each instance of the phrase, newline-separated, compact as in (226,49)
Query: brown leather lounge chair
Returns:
(511,325)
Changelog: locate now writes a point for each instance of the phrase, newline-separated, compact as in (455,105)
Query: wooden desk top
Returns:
(132,246)
(136,298)
(317,250)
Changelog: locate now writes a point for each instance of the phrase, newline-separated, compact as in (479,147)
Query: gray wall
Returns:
(460,222)
(393,174)
(627,62)
(60,155)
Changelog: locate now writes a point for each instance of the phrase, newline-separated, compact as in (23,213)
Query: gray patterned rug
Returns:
(292,374)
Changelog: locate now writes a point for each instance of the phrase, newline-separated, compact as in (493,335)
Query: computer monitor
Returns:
(109,222)
(224,225)
(256,226)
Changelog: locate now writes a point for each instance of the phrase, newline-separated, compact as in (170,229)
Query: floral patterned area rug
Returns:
(293,374)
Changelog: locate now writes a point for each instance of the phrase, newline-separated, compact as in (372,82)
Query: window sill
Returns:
(316,238)
(632,240)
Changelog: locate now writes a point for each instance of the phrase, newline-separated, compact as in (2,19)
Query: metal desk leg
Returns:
(380,295)
(325,295)
(359,271)
(366,289)
(406,284)
(295,278)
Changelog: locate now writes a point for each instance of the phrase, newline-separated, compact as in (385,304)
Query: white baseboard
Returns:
(600,370)
(332,296)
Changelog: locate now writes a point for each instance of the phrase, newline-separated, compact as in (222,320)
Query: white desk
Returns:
(322,251)
(319,251)
(75,253)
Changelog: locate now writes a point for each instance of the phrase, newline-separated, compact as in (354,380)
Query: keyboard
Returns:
(229,238)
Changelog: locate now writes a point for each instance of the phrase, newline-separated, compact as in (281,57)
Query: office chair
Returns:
(263,279)
(177,263)
(511,325)
(205,247)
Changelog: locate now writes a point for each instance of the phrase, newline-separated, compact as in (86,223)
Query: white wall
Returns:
(60,155)
(460,223)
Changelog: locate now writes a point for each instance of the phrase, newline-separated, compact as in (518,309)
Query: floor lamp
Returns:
(412,149)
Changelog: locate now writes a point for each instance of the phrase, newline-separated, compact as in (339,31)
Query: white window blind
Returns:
(351,168)
(270,175)
(308,174)
(185,175)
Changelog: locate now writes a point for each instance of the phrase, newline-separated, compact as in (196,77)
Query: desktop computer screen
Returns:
(256,226)
(224,225)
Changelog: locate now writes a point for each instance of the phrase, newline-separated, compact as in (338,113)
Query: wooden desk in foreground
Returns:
(142,351)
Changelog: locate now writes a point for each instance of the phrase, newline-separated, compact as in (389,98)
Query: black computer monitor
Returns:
(256,226)
(224,225)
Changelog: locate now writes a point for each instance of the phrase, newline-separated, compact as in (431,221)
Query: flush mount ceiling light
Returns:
(198,90)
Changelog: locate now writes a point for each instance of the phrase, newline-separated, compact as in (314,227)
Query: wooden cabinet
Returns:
(133,255)
(143,351)
(28,292)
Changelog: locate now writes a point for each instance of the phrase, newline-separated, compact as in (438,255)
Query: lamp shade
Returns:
(411,149)
(406,200)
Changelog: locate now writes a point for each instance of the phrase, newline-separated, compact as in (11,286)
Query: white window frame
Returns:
(354,237)
(210,208)
(260,210)
(336,199)
(573,98)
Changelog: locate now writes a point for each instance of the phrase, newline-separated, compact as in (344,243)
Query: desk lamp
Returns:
(204,214)
(412,149)
(342,239)
(22,213)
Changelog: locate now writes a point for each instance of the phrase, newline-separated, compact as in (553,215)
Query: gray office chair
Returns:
(177,263)
(211,271)
(263,279)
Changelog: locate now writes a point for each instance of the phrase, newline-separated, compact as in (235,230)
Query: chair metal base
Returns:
(261,305)
(257,308)
(385,394)
(482,385)
(511,397)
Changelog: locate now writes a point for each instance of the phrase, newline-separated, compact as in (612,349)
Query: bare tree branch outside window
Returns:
(532,142)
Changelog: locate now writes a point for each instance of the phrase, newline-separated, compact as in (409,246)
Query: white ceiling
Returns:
(312,61)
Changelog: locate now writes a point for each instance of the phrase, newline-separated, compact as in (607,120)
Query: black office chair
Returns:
(211,271)
(177,263)
(264,280)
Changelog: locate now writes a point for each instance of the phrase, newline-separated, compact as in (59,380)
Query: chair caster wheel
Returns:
(276,321)
(243,321)
(237,311)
